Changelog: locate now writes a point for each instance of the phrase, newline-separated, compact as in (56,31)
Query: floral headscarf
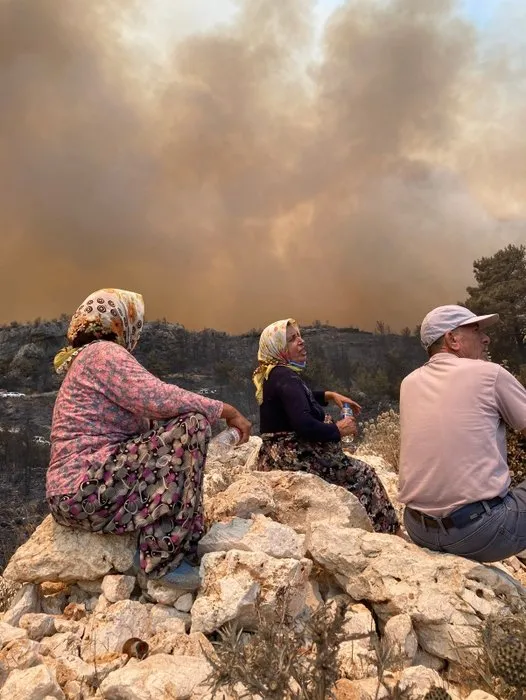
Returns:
(272,351)
(104,311)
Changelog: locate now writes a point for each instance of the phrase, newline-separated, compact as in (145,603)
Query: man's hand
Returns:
(339,400)
(235,419)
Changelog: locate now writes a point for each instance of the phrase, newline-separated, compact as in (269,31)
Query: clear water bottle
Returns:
(347,412)
(227,438)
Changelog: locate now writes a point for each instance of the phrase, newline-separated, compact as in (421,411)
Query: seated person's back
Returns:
(454,477)
(451,424)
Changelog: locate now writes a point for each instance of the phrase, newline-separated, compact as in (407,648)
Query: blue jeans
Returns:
(496,535)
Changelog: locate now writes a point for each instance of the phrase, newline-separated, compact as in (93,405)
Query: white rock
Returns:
(8,633)
(56,553)
(60,644)
(195,644)
(74,690)
(422,658)
(233,580)
(27,600)
(38,625)
(512,563)
(357,659)
(72,668)
(74,626)
(399,577)
(417,680)
(239,692)
(400,641)
(365,689)
(226,466)
(163,617)
(99,605)
(480,695)
(358,623)
(20,653)
(162,592)
(158,676)
(117,587)
(259,534)
(184,603)
(296,499)
(313,600)
(75,611)
(246,496)
(357,654)
(304,500)
(107,631)
(35,683)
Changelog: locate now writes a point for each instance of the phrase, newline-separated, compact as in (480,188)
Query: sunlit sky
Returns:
(163,21)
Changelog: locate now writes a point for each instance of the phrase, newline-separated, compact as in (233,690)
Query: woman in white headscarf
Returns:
(128,450)
(296,436)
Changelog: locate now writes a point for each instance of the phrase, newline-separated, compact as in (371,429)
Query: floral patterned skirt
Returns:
(152,485)
(288,452)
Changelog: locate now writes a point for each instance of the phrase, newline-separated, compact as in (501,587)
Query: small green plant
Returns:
(503,660)
(283,659)
(510,662)
(382,437)
(437,693)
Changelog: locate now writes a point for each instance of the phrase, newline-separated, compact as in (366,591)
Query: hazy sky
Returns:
(238,161)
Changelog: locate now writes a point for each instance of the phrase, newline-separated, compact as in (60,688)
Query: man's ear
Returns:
(450,340)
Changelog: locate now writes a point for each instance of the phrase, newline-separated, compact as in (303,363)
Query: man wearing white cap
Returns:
(454,477)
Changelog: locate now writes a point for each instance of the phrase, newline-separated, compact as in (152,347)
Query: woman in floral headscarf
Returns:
(128,450)
(296,436)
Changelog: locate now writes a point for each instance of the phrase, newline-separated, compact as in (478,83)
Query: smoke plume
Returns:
(256,172)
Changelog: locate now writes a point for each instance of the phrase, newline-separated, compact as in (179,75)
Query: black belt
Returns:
(458,518)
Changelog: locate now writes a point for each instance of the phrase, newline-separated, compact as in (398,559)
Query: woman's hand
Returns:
(347,426)
(339,400)
(235,419)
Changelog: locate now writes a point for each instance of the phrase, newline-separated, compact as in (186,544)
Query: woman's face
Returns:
(295,346)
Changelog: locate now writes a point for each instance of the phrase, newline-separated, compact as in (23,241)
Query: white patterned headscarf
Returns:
(104,312)
(272,352)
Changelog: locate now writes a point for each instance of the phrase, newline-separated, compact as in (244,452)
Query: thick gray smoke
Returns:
(250,177)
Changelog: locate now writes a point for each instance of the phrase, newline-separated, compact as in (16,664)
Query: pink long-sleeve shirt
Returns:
(106,398)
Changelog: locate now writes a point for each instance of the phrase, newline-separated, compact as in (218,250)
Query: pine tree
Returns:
(501,288)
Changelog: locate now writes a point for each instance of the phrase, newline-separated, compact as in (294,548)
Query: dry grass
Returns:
(516,457)
(282,659)
(8,590)
(382,437)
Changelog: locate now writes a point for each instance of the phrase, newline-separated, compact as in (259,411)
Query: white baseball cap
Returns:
(446,318)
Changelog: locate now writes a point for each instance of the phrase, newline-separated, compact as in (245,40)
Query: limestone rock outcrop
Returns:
(84,626)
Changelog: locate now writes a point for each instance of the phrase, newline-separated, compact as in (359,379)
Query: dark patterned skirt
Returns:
(287,452)
(152,485)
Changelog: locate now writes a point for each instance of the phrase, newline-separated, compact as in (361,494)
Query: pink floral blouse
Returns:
(106,398)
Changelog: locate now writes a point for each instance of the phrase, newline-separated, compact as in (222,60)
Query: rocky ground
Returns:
(81,626)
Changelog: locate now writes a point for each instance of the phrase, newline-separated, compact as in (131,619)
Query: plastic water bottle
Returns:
(347,412)
(227,438)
